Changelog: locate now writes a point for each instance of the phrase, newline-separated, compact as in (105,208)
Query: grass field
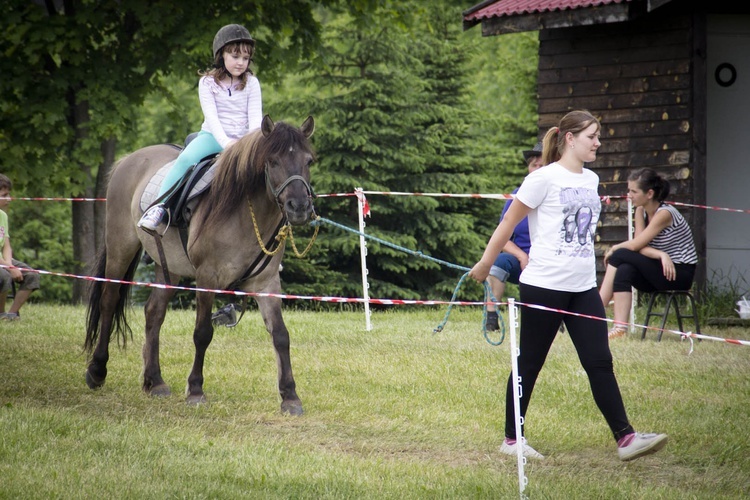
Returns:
(396,412)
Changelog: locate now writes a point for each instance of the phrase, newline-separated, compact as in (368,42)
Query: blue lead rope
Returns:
(488,297)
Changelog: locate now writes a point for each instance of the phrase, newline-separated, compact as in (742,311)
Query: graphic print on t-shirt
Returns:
(581,209)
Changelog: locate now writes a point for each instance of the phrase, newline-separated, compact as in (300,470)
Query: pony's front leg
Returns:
(270,309)
(155,310)
(202,336)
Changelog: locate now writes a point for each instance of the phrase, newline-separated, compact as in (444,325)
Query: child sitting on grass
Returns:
(26,281)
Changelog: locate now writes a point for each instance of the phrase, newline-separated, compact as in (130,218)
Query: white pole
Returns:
(363,255)
(517,391)
(634,295)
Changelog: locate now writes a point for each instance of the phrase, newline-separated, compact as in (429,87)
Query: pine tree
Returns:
(392,115)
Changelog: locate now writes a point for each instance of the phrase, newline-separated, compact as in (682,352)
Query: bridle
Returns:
(285,228)
(277,192)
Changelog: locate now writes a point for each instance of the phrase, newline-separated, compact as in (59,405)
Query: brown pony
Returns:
(266,172)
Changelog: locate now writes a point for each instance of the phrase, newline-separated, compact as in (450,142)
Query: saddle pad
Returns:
(152,188)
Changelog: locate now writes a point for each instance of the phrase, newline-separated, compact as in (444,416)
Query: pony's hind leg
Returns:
(96,371)
(106,309)
(270,309)
(155,311)
(202,336)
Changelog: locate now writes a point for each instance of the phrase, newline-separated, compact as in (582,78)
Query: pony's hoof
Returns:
(93,382)
(293,408)
(160,391)
(196,399)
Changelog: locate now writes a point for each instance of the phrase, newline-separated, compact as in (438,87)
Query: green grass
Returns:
(397,412)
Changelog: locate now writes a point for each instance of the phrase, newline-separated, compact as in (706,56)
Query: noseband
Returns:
(277,192)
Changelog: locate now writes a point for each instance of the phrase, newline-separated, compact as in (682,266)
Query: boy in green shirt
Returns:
(26,281)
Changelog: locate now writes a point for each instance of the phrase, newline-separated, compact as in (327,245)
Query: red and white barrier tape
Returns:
(445,195)
(254,294)
(359,193)
(605,199)
(689,335)
(708,207)
(341,300)
(13,198)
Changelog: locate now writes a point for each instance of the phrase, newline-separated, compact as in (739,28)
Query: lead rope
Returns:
(488,297)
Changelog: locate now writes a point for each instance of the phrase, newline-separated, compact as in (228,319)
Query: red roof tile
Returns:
(502,8)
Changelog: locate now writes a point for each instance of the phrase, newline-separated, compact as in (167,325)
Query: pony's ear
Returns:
(266,126)
(308,127)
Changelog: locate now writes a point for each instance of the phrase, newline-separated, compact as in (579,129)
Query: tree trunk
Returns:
(102,176)
(84,249)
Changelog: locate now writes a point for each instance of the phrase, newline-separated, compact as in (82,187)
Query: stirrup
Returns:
(167,223)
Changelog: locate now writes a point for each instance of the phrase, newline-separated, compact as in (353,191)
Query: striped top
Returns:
(230,113)
(676,239)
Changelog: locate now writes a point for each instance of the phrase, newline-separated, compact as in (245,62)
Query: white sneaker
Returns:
(152,218)
(617,332)
(528,451)
(642,444)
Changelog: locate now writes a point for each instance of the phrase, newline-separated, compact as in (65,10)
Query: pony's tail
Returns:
(93,313)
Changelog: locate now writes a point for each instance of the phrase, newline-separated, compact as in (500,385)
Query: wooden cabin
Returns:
(670,82)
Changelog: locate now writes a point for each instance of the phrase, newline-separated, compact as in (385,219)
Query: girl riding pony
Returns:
(231,102)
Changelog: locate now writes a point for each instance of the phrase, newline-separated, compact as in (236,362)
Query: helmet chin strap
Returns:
(222,65)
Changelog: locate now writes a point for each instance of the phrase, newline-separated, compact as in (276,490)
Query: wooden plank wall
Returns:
(636,77)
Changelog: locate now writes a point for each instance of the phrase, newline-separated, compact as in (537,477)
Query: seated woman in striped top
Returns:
(661,255)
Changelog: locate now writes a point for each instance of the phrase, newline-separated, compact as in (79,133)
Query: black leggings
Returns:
(589,336)
(646,274)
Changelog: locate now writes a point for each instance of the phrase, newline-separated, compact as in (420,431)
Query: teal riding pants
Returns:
(203,145)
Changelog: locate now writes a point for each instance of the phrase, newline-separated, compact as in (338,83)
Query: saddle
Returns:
(182,198)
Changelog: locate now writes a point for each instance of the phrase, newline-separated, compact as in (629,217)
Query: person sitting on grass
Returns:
(26,281)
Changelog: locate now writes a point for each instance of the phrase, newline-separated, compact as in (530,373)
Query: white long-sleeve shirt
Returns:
(230,113)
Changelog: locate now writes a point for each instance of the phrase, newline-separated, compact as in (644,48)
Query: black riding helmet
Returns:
(231,33)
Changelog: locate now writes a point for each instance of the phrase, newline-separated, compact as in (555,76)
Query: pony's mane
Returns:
(240,169)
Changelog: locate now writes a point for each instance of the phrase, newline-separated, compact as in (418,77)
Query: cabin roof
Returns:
(556,13)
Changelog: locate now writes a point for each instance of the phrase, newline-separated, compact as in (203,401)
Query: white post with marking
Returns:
(634,295)
(517,391)
(363,255)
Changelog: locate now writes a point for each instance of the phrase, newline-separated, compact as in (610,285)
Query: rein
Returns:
(284,233)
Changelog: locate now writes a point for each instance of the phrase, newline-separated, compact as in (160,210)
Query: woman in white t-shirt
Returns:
(562,203)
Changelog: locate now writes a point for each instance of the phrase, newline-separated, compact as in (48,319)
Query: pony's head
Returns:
(287,156)
(278,153)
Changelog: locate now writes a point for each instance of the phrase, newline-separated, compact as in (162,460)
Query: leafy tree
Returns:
(75,72)
(402,98)
(503,88)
